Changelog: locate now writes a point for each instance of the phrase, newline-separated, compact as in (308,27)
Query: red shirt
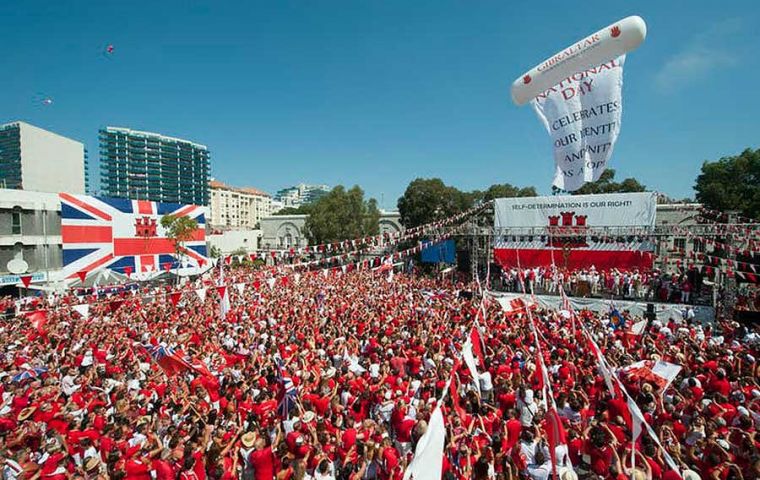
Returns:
(137,470)
(164,470)
(263,463)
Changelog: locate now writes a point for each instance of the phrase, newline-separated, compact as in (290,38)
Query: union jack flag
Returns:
(125,235)
(287,392)
(170,360)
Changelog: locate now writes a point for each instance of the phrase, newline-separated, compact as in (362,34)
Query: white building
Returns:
(35,159)
(301,194)
(229,241)
(30,235)
(237,208)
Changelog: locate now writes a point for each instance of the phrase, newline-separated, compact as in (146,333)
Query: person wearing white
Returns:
(527,408)
(486,385)
(68,383)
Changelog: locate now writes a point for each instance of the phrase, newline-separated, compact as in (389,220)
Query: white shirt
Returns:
(68,386)
(486,384)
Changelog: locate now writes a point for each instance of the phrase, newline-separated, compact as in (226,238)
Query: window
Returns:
(679,243)
(16,221)
(699,245)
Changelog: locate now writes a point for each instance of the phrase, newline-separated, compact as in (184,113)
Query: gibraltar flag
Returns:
(582,115)
(660,374)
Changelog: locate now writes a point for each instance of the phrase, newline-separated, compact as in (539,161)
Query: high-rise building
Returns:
(233,207)
(149,166)
(301,194)
(32,158)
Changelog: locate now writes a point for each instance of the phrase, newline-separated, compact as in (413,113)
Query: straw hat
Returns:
(92,463)
(309,416)
(329,373)
(26,413)
(690,475)
(567,473)
(248,439)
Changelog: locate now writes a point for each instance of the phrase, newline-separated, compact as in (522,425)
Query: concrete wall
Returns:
(283,231)
(50,162)
(286,231)
(232,240)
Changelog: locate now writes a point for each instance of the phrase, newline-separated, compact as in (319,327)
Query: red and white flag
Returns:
(427,463)
(660,374)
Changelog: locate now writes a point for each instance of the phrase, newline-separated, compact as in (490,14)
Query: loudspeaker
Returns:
(463,261)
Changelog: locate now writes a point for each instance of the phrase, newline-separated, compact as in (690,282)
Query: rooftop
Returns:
(217,185)
(129,131)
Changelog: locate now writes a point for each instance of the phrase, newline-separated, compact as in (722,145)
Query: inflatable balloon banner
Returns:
(577,95)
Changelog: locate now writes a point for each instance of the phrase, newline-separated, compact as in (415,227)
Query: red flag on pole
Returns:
(174,297)
(555,433)
(477,345)
(38,318)
(26,280)
(82,274)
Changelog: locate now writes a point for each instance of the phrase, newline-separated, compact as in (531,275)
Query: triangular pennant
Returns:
(240,288)
(240,258)
(83,309)
(252,257)
(222,290)
(82,274)
(201,262)
(256,284)
(128,270)
(26,280)
(270,282)
(174,297)
(115,304)
(167,266)
(201,294)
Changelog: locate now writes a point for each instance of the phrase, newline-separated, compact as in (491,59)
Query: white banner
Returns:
(576,212)
(582,115)
(428,456)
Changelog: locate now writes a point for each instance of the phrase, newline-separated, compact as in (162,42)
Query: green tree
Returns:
(301,210)
(429,199)
(606,184)
(505,190)
(179,229)
(342,214)
(731,183)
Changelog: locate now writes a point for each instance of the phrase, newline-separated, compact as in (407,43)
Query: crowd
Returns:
(335,376)
(651,285)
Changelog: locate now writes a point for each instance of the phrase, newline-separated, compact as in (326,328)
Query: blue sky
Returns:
(379,92)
